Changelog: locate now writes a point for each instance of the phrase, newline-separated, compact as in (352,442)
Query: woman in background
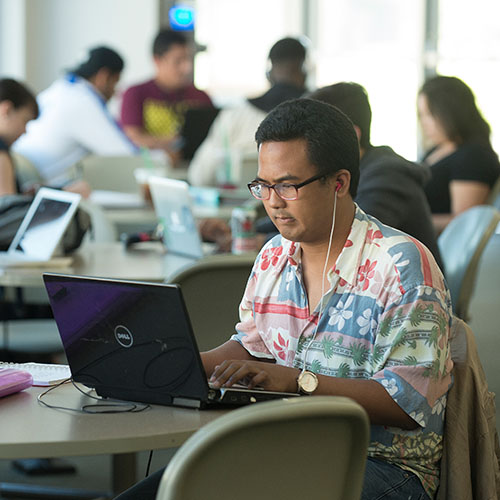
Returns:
(463,164)
(17,107)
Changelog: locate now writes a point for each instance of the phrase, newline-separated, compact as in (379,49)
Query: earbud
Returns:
(339,185)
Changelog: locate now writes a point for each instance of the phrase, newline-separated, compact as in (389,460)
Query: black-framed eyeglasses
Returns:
(284,190)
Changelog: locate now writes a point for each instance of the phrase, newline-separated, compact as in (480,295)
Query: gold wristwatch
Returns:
(307,382)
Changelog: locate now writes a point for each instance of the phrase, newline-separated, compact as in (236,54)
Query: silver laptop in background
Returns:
(173,206)
(41,231)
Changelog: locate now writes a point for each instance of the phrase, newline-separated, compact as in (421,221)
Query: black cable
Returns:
(104,407)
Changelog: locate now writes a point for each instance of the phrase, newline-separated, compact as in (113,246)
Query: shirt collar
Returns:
(349,260)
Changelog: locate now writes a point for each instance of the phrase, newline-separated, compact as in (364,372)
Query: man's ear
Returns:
(342,178)
(6,107)
(358,132)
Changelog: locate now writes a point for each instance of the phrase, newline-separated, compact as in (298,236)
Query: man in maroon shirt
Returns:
(153,112)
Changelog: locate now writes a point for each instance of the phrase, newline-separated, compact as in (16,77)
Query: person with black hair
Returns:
(391,188)
(17,107)
(339,304)
(74,120)
(463,164)
(152,112)
(233,129)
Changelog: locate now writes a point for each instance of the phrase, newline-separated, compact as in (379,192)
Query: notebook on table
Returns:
(42,229)
(134,341)
(173,206)
(43,374)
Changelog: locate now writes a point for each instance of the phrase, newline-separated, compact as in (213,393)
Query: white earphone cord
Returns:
(322,284)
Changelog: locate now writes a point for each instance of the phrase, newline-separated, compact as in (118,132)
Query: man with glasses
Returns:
(339,304)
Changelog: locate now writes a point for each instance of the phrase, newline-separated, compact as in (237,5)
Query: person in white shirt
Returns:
(234,128)
(74,120)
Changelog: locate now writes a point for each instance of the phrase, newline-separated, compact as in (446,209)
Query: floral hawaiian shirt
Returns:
(386,317)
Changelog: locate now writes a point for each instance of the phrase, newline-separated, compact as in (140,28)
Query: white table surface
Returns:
(30,430)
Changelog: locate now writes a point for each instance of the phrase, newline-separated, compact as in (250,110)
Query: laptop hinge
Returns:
(190,403)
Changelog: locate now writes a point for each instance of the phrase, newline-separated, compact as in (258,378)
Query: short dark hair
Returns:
(287,50)
(18,94)
(453,104)
(98,58)
(352,99)
(332,143)
(165,39)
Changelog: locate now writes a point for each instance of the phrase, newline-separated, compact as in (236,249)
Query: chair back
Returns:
(213,288)
(26,173)
(496,202)
(494,196)
(102,229)
(461,245)
(301,448)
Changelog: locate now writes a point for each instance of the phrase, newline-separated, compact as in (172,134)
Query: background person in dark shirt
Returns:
(391,188)
(463,164)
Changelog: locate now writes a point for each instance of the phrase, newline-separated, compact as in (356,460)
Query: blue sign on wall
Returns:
(181,18)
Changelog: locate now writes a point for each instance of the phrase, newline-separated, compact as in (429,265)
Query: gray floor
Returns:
(94,472)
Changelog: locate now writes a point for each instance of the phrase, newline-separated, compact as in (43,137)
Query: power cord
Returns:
(104,406)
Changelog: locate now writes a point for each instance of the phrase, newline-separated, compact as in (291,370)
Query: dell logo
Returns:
(123,336)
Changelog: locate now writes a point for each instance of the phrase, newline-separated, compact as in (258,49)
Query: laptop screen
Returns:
(172,203)
(44,223)
(47,220)
(129,340)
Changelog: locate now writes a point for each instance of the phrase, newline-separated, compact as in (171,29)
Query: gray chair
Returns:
(26,173)
(296,449)
(213,288)
(496,202)
(494,196)
(102,230)
(461,245)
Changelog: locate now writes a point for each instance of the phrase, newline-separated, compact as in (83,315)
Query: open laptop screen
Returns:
(44,224)
(129,340)
(47,220)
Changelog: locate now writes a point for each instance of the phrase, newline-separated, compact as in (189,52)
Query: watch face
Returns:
(308,382)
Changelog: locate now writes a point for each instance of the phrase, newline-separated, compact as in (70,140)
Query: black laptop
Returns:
(133,341)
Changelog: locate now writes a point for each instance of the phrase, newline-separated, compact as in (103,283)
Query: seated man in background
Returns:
(74,120)
(17,107)
(234,129)
(340,304)
(152,112)
(391,188)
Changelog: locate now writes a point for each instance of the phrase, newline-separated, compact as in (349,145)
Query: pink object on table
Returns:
(12,380)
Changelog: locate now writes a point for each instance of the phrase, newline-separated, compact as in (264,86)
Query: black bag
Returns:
(13,208)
